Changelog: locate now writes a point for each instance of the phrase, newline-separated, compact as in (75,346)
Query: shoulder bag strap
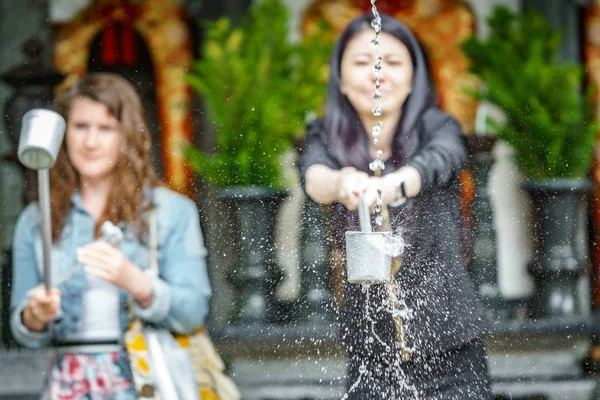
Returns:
(153,242)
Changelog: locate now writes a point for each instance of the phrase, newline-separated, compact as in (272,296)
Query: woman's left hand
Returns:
(108,262)
(389,192)
(390,186)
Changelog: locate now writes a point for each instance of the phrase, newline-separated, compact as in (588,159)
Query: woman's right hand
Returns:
(43,307)
(351,184)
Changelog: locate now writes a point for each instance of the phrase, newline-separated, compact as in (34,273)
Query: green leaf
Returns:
(257,88)
(549,124)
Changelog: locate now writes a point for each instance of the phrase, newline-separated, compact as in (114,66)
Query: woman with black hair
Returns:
(422,147)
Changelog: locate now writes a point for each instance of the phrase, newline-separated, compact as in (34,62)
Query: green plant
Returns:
(549,122)
(258,88)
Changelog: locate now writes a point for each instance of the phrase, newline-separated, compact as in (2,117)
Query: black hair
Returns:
(344,133)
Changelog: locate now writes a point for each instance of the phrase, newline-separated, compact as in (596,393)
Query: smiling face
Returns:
(358,81)
(93,139)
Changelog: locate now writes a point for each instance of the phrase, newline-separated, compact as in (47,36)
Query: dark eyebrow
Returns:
(369,54)
(362,53)
(392,55)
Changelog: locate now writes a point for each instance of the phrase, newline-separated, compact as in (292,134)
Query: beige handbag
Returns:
(207,365)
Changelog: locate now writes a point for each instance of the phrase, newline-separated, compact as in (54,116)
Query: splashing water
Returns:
(395,306)
(371,320)
(361,370)
(400,313)
(389,244)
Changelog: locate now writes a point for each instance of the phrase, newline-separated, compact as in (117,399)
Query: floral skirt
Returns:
(92,376)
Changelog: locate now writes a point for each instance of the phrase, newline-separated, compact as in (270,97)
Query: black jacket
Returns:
(445,312)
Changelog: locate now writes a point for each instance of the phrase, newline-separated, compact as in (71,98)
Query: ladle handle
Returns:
(364,218)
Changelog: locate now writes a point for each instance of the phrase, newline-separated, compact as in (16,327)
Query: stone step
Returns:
(585,389)
(23,372)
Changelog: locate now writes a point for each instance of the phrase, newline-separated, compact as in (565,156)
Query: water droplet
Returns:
(376,131)
(376,24)
(376,164)
(362,369)
(377,111)
(377,68)
(375,12)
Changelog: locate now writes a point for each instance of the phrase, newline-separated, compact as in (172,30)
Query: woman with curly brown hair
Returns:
(103,173)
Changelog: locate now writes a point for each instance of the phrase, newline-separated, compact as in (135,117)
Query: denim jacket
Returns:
(181,292)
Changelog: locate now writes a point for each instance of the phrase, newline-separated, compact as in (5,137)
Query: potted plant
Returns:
(258,88)
(549,124)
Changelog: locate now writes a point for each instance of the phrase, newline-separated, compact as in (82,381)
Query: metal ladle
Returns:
(367,262)
(42,133)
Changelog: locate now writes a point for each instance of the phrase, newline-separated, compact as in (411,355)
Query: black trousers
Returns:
(456,374)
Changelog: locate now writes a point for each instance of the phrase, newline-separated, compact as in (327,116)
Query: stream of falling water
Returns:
(377,165)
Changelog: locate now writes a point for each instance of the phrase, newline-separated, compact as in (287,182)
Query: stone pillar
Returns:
(315,268)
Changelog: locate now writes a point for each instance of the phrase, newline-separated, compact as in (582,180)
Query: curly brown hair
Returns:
(133,171)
